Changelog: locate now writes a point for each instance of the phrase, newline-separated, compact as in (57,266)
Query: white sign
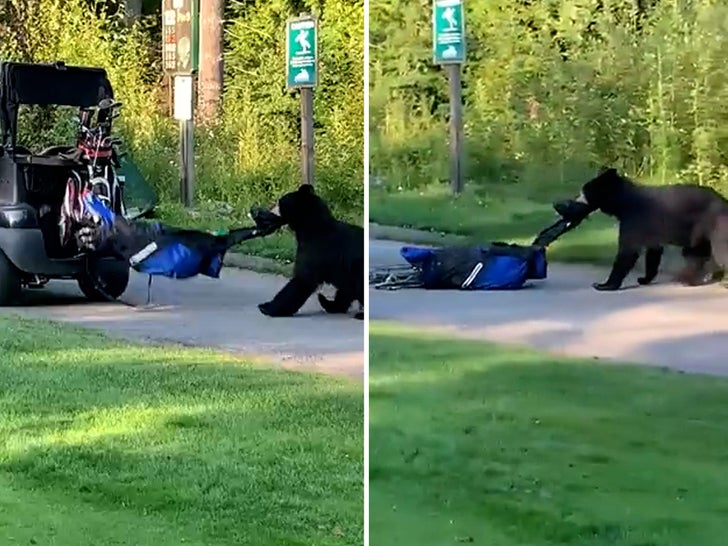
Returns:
(183,97)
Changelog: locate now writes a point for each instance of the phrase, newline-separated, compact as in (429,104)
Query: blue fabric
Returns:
(416,255)
(504,267)
(501,272)
(178,261)
(97,207)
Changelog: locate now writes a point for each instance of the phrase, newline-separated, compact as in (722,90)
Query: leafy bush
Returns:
(554,88)
(252,154)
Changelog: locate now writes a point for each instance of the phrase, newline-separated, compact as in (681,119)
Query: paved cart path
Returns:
(221,314)
(665,324)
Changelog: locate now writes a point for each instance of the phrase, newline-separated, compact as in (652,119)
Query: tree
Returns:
(211,63)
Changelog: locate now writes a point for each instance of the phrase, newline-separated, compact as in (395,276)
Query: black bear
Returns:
(328,251)
(692,217)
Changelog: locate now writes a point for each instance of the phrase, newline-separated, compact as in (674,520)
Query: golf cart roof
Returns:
(47,84)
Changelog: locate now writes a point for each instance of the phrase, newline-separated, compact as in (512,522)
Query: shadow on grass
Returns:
(470,442)
(220,450)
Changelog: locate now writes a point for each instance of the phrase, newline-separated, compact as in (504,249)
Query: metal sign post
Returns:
(448,49)
(180,52)
(302,73)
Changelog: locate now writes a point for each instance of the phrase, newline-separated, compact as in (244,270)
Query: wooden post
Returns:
(211,63)
(302,74)
(307,144)
(456,128)
(448,48)
(180,61)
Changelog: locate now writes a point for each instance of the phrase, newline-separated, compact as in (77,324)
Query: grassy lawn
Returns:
(495,213)
(109,443)
(475,443)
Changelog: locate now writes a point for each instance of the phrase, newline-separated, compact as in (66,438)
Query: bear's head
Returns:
(303,210)
(604,192)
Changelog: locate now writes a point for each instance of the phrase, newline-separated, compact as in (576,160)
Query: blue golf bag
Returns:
(495,266)
(498,266)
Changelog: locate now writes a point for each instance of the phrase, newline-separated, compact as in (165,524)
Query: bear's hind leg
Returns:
(696,257)
(360,300)
(289,299)
(719,245)
(340,304)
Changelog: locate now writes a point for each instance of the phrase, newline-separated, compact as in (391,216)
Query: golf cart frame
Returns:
(33,186)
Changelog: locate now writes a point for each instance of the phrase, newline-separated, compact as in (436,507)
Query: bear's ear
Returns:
(607,172)
(306,188)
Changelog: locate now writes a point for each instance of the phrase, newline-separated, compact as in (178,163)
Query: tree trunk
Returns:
(211,65)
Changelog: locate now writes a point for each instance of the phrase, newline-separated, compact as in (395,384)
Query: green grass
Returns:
(495,213)
(475,443)
(104,442)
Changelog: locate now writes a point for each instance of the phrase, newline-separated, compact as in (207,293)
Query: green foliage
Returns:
(252,154)
(554,88)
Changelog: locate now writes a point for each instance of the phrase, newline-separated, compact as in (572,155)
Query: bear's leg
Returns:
(360,313)
(290,298)
(690,275)
(696,259)
(719,245)
(653,257)
(360,300)
(340,304)
(623,264)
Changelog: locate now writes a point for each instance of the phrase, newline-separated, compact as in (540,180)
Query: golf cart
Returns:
(41,194)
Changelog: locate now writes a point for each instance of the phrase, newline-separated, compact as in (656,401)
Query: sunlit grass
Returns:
(476,443)
(104,442)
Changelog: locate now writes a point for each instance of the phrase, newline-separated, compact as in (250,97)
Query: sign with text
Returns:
(180,43)
(448,32)
(302,52)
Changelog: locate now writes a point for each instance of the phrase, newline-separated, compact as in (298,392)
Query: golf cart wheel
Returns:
(104,281)
(9,282)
